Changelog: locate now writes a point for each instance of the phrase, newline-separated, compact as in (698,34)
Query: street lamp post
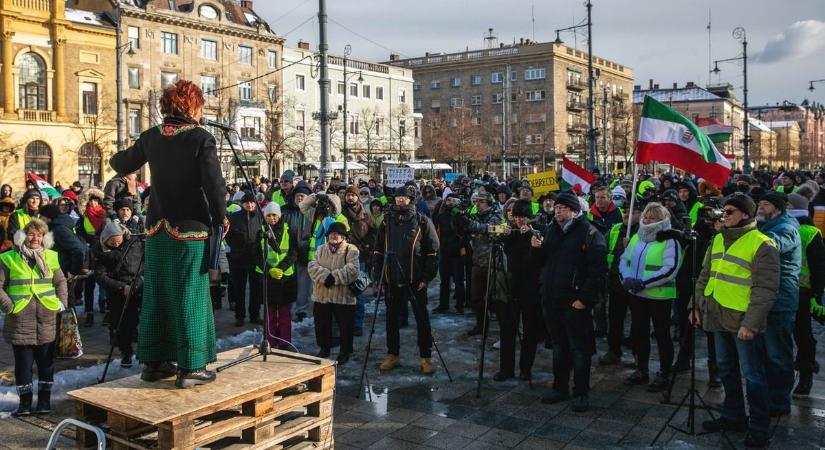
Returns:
(739,34)
(347,52)
(323,83)
(811,84)
(592,161)
(119,80)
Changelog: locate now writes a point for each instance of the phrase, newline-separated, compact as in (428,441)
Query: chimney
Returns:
(395,57)
(521,41)
(675,85)
(655,86)
(302,45)
(637,87)
(246,4)
(426,54)
(690,84)
(650,86)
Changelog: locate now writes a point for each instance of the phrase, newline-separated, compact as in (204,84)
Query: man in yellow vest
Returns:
(282,195)
(30,207)
(811,284)
(735,292)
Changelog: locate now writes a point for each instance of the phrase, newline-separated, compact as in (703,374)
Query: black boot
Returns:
(90,320)
(713,376)
(806,381)
(157,371)
(192,378)
(44,397)
(25,407)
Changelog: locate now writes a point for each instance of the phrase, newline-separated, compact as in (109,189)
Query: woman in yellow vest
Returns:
(33,291)
(282,287)
(648,269)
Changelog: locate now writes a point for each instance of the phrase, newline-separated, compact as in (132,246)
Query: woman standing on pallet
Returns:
(188,204)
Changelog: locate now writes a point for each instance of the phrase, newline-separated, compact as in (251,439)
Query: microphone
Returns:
(211,123)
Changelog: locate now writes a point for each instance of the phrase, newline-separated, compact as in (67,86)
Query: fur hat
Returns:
(272,208)
(809,189)
(337,227)
(522,208)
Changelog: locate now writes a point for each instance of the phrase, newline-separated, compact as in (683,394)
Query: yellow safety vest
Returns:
(654,261)
(731,269)
(278,198)
(338,218)
(273,258)
(807,233)
(612,240)
(23,219)
(694,213)
(233,207)
(25,282)
(88,227)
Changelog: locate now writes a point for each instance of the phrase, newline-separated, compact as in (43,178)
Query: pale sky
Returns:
(666,40)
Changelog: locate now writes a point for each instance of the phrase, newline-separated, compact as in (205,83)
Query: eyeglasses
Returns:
(729,211)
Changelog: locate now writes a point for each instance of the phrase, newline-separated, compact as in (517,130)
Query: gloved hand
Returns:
(817,311)
(632,285)
(329,281)
(276,273)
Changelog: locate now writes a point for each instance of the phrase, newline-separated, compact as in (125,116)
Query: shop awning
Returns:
(339,165)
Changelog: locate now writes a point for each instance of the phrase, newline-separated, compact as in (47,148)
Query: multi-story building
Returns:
(56,77)
(694,102)
(379,122)
(811,119)
(526,102)
(788,139)
(763,144)
(223,46)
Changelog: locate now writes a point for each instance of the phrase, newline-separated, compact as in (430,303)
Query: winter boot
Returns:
(426,366)
(90,320)
(44,397)
(390,362)
(25,407)
(157,371)
(191,378)
(803,387)
(713,376)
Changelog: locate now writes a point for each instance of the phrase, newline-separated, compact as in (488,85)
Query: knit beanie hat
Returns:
(619,191)
(777,199)
(337,227)
(569,200)
(301,188)
(743,203)
(110,230)
(795,201)
(50,211)
(522,208)
(272,208)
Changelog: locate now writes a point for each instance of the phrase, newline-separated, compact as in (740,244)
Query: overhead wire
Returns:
(366,38)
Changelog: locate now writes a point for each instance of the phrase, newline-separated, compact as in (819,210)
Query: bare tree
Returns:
(276,137)
(97,131)
(371,127)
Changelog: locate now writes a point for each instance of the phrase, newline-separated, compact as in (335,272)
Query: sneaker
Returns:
(553,396)
(757,441)
(426,366)
(637,378)
(342,358)
(126,361)
(580,403)
(390,362)
(525,376)
(659,384)
(609,359)
(803,387)
(501,376)
(497,345)
(721,424)
(713,377)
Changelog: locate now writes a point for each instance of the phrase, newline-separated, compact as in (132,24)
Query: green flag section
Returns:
(669,137)
(714,129)
(43,185)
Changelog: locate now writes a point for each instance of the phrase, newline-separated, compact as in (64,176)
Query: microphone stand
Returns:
(264,348)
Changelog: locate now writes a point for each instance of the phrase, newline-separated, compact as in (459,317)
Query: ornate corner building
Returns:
(56,73)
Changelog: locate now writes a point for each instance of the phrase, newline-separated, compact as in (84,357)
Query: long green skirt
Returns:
(176,319)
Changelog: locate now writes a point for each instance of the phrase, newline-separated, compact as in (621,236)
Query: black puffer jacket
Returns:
(574,263)
(411,238)
(450,240)
(71,250)
(524,282)
(244,237)
(116,268)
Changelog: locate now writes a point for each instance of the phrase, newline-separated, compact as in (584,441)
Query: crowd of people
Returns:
(744,264)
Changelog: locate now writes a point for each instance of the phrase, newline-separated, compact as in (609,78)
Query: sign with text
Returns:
(397,176)
(543,182)
(449,177)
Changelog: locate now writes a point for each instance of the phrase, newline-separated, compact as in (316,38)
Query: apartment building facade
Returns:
(810,116)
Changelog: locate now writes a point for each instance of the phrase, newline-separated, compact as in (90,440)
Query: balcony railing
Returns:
(576,85)
(89,119)
(575,106)
(575,146)
(576,126)
(36,115)
(252,104)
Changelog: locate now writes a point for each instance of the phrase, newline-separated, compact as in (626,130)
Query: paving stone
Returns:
(502,438)
(412,433)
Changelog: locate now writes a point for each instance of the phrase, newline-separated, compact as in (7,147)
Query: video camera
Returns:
(711,211)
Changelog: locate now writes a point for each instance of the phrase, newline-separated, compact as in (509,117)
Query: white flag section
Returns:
(397,176)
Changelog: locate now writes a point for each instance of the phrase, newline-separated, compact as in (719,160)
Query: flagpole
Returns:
(632,197)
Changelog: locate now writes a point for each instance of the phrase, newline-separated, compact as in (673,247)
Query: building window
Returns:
(353,90)
(273,59)
(418,104)
(88,92)
(167,79)
(300,82)
(475,80)
(455,82)
(536,96)
(245,90)
(133,34)
(366,91)
(513,76)
(169,43)
(496,77)
(402,95)
(341,88)
(251,128)
(209,50)
(244,55)
(134,122)
(534,74)
(272,93)
(379,123)
(353,125)
(417,87)
(455,102)
(475,120)
(475,100)
(379,92)
(38,159)
(435,84)
(134,78)
(89,161)
(497,98)
(435,104)
(300,120)
(32,82)
(208,86)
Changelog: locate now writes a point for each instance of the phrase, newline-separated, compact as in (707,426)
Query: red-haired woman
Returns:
(188,203)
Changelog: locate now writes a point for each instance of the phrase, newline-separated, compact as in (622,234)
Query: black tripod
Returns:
(382,294)
(496,263)
(692,393)
(264,348)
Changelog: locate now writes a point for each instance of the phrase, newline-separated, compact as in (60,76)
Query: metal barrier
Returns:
(101,438)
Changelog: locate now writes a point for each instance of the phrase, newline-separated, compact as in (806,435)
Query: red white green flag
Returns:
(714,129)
(43,185)
(572,174)
(669,137)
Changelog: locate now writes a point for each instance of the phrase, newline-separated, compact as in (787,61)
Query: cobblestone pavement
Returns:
(403,409)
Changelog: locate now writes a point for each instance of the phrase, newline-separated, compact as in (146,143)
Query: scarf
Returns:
(647,232)
(333,247)
(96,215)
(37,256)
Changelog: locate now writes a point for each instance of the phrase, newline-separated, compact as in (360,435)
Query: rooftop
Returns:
(236,12)
(757,124)
(86,17)
(781,123)
(685,94)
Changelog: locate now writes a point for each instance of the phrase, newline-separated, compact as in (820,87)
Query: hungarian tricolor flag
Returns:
(43,185)
(669,137)
(714,129)
(573,174)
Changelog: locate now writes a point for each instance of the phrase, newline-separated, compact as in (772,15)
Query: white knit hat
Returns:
(272,208)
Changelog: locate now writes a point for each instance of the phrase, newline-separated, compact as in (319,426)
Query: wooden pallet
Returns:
(281,403)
